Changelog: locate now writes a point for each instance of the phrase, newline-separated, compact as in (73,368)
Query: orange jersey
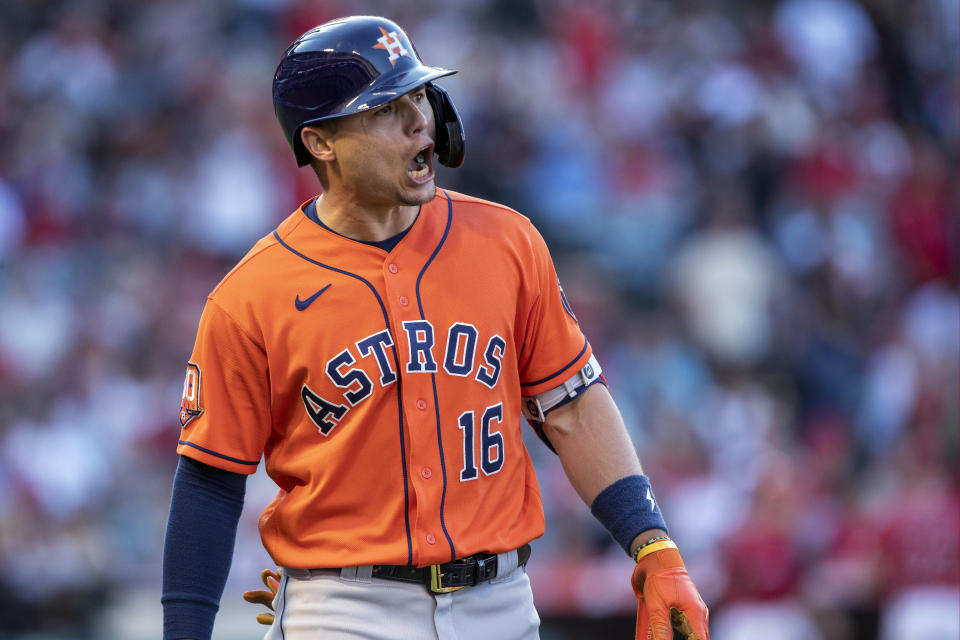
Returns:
(384,389)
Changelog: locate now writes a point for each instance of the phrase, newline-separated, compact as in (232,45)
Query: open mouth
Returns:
(420,168)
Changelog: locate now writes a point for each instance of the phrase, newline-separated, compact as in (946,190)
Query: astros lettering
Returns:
(458,360)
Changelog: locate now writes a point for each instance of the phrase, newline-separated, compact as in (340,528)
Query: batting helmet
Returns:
(353,64)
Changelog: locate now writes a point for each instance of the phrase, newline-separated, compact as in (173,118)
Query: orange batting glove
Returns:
(272,580)
(668,600)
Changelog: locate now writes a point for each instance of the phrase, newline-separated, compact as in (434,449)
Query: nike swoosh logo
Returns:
(303,304)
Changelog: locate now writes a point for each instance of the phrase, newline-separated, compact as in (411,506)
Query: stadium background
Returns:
(753,209)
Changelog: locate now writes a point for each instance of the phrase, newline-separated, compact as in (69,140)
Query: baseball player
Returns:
(378,350)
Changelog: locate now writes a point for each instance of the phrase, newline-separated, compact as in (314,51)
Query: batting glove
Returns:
(668,600)
(272,580)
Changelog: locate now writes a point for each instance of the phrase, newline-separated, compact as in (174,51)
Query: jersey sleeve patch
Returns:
(190,402)
(566,303)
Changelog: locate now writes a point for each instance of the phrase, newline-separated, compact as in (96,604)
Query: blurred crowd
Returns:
(753,208)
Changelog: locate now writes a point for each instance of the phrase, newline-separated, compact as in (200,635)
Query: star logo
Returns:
(390,42)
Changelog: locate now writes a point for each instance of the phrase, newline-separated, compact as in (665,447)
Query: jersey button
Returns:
(426,472)
(404,301)
(431,539)
(392,268)
(422,404)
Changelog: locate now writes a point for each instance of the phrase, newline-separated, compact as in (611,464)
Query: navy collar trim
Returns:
(387,245)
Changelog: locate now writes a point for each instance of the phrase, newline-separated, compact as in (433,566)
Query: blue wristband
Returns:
(627,508)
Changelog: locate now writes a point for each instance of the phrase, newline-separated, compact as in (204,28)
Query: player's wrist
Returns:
(646,538)
(652,546)
(628,510)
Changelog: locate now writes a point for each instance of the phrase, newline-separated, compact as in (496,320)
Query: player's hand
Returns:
(272,581)
(668,599)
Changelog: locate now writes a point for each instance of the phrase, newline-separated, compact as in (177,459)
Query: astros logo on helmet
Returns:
(391,42)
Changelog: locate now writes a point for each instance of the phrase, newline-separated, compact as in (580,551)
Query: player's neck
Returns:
(367,223)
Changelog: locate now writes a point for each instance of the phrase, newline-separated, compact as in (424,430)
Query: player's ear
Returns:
(317,141)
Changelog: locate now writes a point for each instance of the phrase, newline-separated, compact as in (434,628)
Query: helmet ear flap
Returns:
(450,142)
(299,151)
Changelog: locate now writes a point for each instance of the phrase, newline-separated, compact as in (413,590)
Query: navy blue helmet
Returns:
(353,64)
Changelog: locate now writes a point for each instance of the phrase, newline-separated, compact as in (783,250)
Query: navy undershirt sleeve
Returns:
(201,530)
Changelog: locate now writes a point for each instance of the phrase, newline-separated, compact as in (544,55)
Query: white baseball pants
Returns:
(321,605)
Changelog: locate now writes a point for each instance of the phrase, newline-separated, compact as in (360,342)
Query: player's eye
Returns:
(384,110)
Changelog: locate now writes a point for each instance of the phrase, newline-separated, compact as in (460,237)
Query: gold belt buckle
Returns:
(436,581)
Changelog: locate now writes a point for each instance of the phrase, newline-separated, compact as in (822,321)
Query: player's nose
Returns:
(417,119)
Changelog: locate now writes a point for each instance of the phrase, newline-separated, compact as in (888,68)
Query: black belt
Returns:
(450,576)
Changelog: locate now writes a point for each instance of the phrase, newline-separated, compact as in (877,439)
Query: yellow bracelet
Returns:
(656,546)
(648,542)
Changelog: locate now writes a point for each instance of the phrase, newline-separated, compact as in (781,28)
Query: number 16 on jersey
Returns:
(491,442)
